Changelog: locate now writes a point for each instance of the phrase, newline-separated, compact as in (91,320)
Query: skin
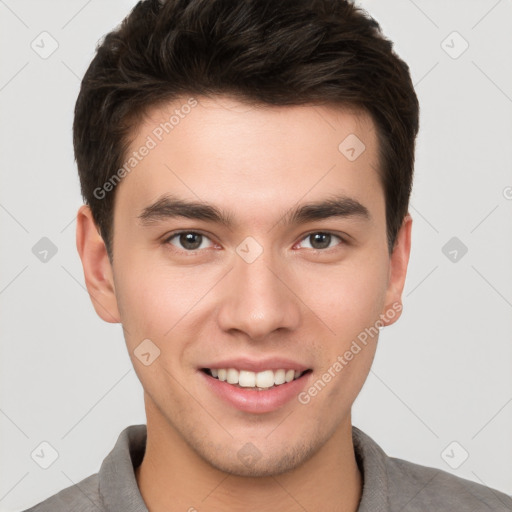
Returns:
(292,301)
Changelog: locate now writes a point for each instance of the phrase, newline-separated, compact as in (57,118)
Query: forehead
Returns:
(230,153)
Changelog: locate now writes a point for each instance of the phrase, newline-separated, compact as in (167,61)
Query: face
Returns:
(282,264)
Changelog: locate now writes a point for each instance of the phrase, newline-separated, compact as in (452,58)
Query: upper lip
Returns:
(258,365)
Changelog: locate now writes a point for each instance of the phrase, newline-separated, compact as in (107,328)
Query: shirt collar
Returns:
(371,460)
(119,490)
(117,483)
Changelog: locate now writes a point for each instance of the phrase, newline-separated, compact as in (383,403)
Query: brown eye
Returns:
(321,240)
(187,240)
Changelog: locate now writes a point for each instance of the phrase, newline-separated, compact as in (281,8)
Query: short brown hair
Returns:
(286,52)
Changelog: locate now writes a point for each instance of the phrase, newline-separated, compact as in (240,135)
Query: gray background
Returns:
(441,385)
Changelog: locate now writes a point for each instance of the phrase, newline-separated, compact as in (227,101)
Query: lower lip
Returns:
(252,400)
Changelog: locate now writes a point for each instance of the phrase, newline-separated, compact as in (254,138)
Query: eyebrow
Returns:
(169,206)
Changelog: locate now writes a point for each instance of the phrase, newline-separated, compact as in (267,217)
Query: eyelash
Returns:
(168,239)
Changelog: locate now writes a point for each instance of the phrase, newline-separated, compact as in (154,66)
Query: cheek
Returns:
(349,297)
(153,308)
(160,305)
(350,305)
(149,300)
(355,298)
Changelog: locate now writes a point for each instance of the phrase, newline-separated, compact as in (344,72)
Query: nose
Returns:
(259,299)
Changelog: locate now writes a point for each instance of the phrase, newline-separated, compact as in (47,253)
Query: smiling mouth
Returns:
(261,381)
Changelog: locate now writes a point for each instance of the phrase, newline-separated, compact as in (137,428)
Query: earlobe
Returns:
(397,272)
(97,268)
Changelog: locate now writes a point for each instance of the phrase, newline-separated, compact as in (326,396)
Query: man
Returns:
(246,168)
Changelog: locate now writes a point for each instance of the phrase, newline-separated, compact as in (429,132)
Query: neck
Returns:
(172,478)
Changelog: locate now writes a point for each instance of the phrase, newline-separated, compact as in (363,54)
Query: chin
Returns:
(248,461)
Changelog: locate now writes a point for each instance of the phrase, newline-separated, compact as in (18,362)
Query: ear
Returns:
(97,268)
(397,272)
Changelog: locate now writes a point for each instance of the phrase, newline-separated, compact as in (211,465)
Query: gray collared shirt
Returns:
(390,484)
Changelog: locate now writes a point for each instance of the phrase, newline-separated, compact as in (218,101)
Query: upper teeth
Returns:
(247,379)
